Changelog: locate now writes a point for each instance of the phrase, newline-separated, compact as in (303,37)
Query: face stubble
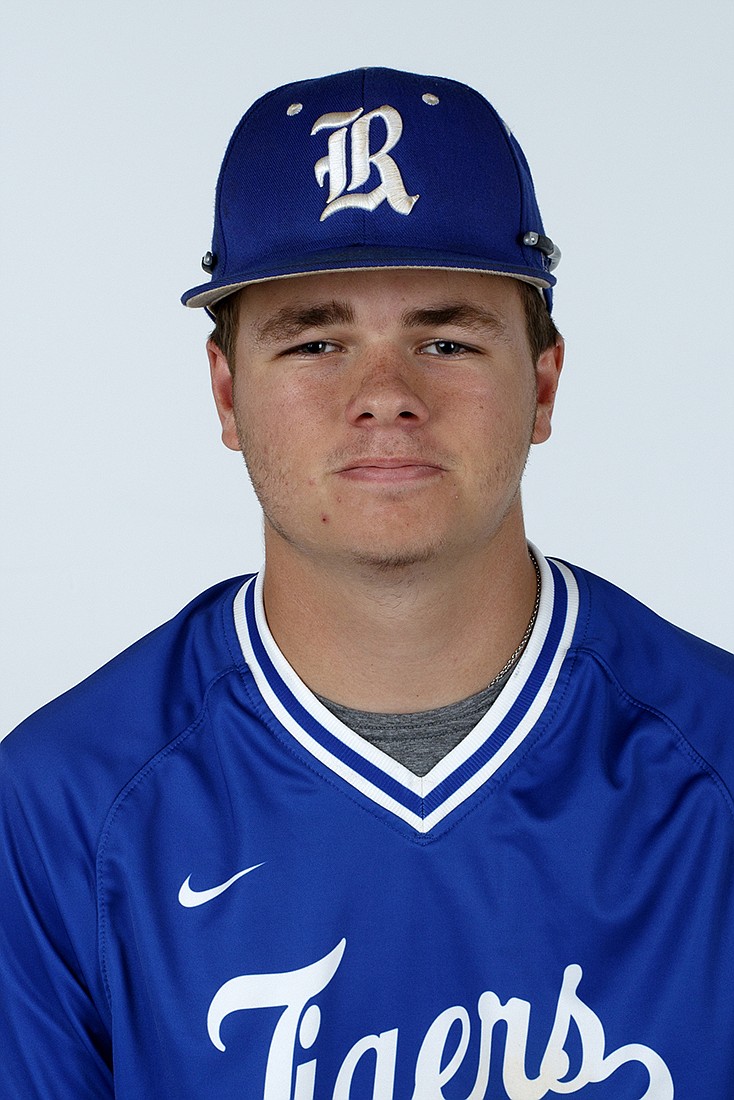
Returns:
(274,485)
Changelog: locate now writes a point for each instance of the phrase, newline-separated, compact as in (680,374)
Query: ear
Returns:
(222,387)
(547,373)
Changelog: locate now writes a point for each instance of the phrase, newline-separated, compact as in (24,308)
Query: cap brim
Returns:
(208,294)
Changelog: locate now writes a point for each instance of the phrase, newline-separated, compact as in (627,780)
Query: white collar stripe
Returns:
(521,706)
(420,801)
(334,747)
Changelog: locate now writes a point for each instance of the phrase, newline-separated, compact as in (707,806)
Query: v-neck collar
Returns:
(422,802)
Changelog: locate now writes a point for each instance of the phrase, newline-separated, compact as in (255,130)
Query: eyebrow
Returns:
(290,321)
(461,314)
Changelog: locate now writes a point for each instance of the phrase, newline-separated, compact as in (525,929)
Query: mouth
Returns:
(390,471)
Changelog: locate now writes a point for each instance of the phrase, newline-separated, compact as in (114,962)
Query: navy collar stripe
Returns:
(519,709)
(424,801)
(307,721)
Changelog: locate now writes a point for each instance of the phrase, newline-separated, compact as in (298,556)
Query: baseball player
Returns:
(416,812)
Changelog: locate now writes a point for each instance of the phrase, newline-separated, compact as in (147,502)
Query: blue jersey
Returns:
(210,887)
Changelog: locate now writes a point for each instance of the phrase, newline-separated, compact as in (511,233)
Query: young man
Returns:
(416,813)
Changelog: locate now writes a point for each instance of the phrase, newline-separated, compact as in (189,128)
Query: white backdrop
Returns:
(119,503)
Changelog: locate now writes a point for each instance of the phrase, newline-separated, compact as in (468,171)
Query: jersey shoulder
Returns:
(104,729)
(687,680)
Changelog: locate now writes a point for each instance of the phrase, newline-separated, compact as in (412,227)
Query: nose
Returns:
(386,395)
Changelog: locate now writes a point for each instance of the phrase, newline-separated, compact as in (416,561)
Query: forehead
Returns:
(379,296)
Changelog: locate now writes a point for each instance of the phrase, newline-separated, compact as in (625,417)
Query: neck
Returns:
(404,639)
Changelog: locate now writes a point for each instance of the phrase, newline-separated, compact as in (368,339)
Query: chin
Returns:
(393,562)
(397,558)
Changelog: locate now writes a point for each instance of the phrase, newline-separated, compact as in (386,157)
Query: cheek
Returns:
(278,436)
(502,412)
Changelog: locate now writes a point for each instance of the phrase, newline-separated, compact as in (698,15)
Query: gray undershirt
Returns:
(420,740)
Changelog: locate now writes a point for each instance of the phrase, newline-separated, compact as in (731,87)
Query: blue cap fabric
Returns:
(367,169)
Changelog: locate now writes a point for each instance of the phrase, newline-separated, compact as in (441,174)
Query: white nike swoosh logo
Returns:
(191,898)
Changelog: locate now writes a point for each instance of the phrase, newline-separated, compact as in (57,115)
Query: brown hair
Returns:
(541,330)
(226,319)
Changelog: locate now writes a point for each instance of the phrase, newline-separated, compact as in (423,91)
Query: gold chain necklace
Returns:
(529,630)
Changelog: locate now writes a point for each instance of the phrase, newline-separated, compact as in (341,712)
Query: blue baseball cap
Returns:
(373,168)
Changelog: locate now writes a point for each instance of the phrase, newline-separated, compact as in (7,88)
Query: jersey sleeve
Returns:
(61,772)
(53,1041)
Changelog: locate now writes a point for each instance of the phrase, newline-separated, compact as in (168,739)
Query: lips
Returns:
(388,463)
(390,470)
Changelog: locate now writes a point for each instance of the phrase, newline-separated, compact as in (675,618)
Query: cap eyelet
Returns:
(209,262)
(551,252)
